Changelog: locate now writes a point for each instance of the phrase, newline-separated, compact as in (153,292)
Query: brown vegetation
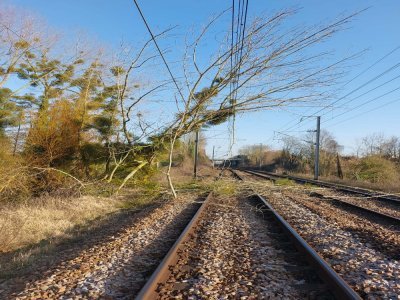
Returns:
(378,167)
(49,218)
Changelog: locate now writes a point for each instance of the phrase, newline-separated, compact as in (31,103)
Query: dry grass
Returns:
(183,174)
(25,224)
(35,230)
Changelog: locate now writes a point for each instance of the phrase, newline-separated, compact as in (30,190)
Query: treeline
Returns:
(376,158)
(65,111)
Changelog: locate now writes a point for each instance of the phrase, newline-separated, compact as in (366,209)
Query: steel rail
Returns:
(339,187)
(265,176)
(236,175)
(378,214)
(383,216)
(162,273)
(339,288)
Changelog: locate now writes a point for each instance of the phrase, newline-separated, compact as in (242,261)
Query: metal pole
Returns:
(260,156)
(196,150)
(213,165)
(316,171)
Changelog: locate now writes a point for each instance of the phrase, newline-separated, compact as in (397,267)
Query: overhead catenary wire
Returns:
(232,37)
(282,128)
(236,51)
(232,71)
(362,104)
(240,37)
(367,92)
(353,91)
(241,41)
(231,85)
(371,66)
(365,84)
(365,112)
(158,48)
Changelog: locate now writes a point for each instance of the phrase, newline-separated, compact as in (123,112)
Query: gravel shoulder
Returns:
(380,235)
(362,252)
(381,206)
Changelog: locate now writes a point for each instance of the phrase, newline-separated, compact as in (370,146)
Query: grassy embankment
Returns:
(39,227)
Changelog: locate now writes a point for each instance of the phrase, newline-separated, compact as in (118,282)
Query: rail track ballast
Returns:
(184,270)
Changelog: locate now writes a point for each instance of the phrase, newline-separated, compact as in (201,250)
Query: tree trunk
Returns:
(117,164)
(130,175)
(171,150)
(339,167)
(16,139)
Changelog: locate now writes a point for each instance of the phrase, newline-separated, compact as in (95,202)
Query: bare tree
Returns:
(255,153)
(275,69)
(391,148)
(128,96)
(372,144)
(19,36)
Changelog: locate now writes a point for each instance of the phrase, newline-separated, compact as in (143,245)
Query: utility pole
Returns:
(213,157)
(339,167)
(196,150)
(316,164)
(260,156)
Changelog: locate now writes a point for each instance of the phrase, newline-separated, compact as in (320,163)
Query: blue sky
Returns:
(376,30)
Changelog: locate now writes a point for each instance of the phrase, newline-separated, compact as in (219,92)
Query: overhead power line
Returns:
(351,80)
(362,104)
(237,45)
(367,92)
(365,112)
(353,91)
(236,56)
(243,21)
(371,66)
(232,37)
(158,48)
(363,85)
(241,41)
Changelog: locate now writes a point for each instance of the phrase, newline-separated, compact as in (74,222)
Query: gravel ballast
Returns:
(116,269)
(238,255)
(341,239)
(382,206)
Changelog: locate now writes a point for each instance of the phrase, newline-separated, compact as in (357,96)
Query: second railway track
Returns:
(360,246)
(238,247)
(392,198)
(378,209)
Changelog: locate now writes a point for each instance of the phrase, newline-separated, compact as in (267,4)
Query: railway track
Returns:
(361,247)
(241,247)
(388,215)
(339,187)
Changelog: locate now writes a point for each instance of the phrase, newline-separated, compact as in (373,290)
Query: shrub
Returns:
(54,136)
(14,182)
(374,169)
(52,143)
